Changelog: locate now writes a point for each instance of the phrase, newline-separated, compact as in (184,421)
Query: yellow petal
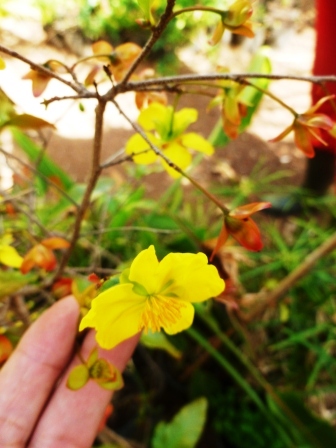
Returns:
(182,119)
(197,142)
(138,146)
(156,116)
(2,64)
(187,317)
(115,314)
(192,278)
(179,156)
(144,270)
(10,257)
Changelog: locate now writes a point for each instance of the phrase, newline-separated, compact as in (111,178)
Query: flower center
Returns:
(160,312)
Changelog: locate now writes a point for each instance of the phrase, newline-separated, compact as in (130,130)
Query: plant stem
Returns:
(212,324)
(198,8)
(160,154)
(264,300)
(41,69)
(271,95)
(157,31)
(95,173)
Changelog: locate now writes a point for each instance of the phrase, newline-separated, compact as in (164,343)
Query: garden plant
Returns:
(236,324)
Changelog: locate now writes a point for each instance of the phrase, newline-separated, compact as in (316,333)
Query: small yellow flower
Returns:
(165,128)
(153,295)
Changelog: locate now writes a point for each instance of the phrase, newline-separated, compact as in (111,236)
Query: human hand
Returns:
(37,410)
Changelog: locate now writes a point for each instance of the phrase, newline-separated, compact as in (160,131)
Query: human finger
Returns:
(30,374)
(72,417)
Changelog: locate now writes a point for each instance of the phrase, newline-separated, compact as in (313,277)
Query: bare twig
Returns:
(168,81)
(20,308)
(265,299)
(42,69)
(156,33)
(95,173)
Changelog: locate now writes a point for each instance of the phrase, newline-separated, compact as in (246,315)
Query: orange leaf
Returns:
(282,135)
(39,81)
(248,209)
(246,232)
(126,53)
(223,236)
(303,139)
(102,47)
(40,256)
(55,243)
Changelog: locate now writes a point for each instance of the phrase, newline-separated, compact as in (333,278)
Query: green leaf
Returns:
(46,166)
(12,281)
(260,63)
(160,341)
(146,8)
(184,430)
(78,377)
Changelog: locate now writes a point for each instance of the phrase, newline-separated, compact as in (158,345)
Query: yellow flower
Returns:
(153,295)
(165,128)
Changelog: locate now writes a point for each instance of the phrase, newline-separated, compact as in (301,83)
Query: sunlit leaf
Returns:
(12,281)
(184,430)
(146,7)
(26,121)
(160,341)
(55,242)
(218,33)
(127,52)
(39,81)
(104,48)
(2,64)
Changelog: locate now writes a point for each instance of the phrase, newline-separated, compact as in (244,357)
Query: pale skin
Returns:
(36,408)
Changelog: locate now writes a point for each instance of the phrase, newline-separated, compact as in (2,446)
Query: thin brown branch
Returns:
(86,95)
(156,33)
(95,173)
(20,307)
(168,81)
(42,69)
(171,164)
(263,300)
